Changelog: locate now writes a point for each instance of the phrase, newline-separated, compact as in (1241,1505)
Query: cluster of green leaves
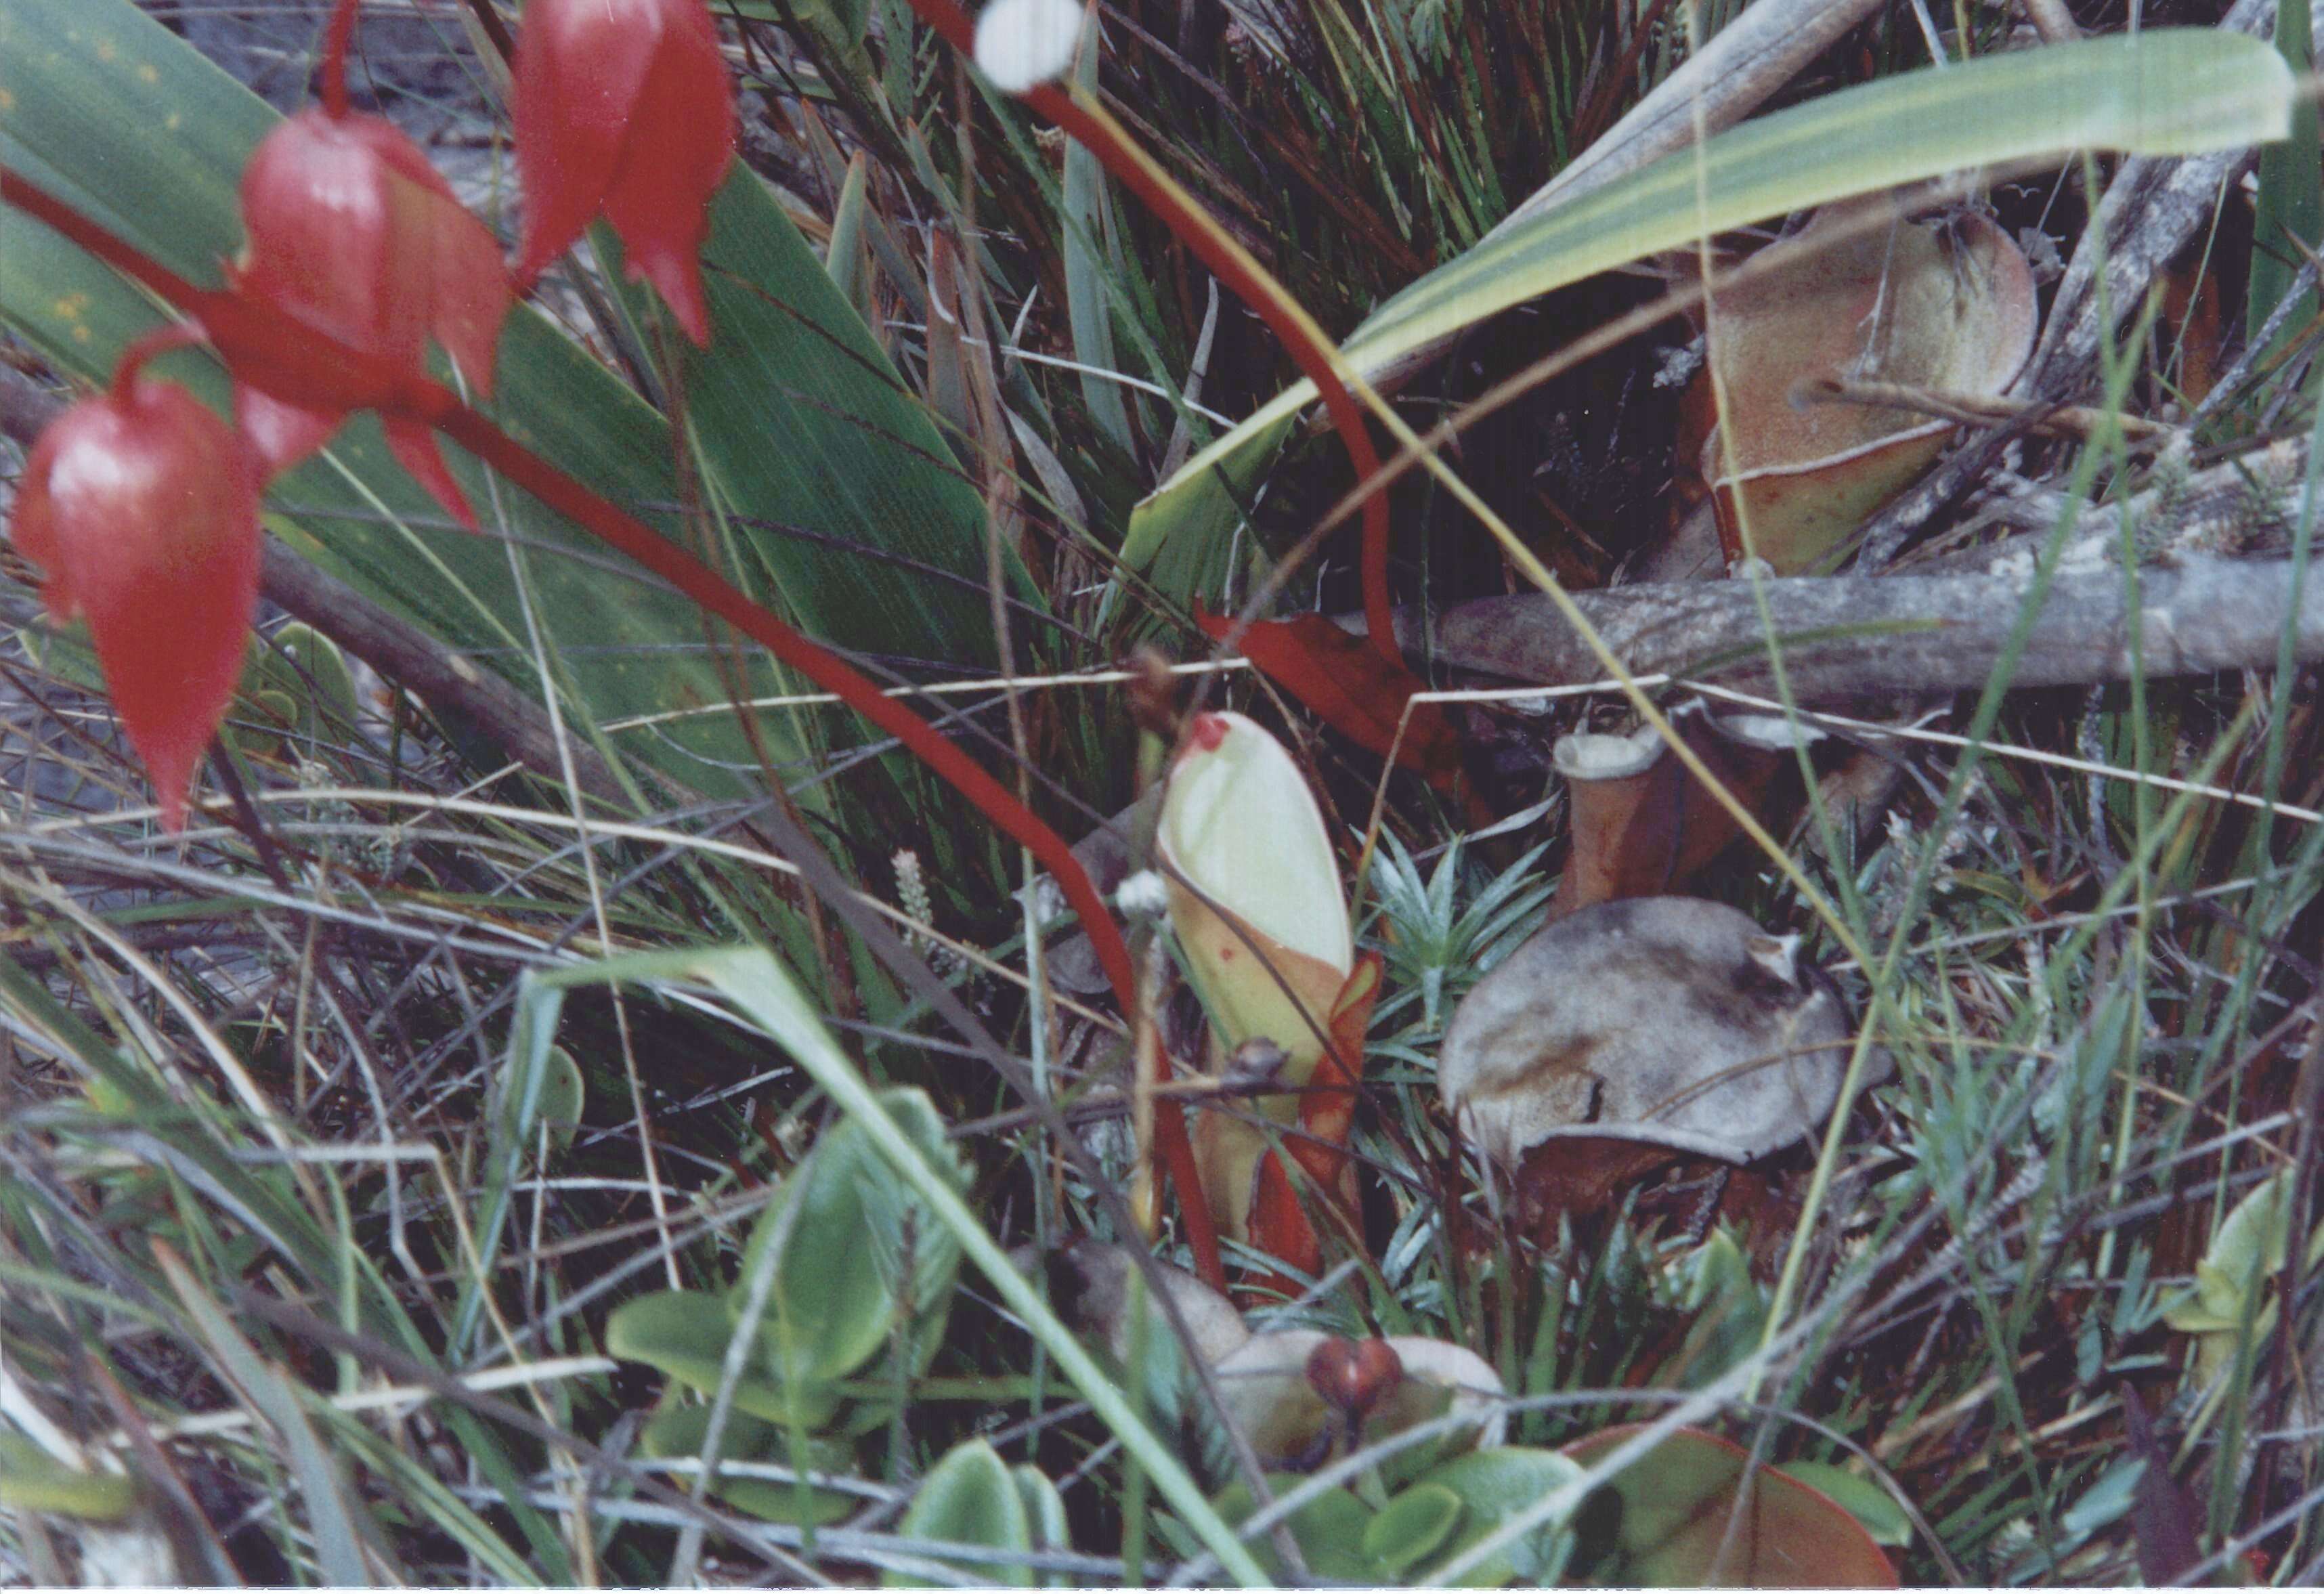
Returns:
(845,1268)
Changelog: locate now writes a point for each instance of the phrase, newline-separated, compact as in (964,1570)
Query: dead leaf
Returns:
(1666,1020)
(1693,1515)
(1946,305)
(1346,683)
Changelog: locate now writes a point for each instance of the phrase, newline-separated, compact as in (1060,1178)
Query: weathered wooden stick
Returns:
(1847,637)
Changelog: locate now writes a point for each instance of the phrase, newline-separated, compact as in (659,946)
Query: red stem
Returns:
(335,58)
(160,341)
(1177,210)
(249,332)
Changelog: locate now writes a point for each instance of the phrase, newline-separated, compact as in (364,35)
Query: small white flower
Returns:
(1021,44)
(1142,895)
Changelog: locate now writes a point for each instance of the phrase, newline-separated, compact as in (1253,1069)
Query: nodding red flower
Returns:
(622,108)
(352,232)
(141,507)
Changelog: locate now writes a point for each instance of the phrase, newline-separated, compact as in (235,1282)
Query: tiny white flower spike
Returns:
(1142,895)
(1021,44)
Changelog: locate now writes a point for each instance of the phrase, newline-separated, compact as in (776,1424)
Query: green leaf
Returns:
(1409,1529)
(297,680)
(685,1333)
(2290,185)
(805,427)
(30,1479)
(762,990)
(524,1100)
(1087,310)
(857,1248)
(1045,1515)
(1328,1530)
(2167,91)
(1493,1487)
(678,1429)
(969,1497)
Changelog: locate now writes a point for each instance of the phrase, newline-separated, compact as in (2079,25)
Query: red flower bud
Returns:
(141,507)
(1354,1375)
(622,108)
(354,233)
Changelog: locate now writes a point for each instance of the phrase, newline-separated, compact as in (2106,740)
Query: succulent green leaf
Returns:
(1410,1527)
(678,1429)
(685,1333)
(1044,1516)
(1494,1486)
(1328,1529)
(971,1497)
(857,1248)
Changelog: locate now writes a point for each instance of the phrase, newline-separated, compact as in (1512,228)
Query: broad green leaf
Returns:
(1409,1529)
(806,432)
(678,1429)
(1044,1515)
(685,1333)
(2290,184)
(2168,91)
(765,994)
(856,1248)
(1493,1487)
(1328,1529)
(530,1092)
(969,1497)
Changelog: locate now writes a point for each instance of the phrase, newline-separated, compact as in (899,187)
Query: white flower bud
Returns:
(1021,44)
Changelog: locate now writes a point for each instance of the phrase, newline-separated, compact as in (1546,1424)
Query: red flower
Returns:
(622,107)
(142,507)
(352,232)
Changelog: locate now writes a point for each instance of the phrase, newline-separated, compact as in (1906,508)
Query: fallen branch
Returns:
(1848,637)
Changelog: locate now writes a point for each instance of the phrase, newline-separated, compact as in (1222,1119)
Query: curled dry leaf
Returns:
(1666,1019)
(1945,305)
(1642,824)
(1089,1285)
(1348,685)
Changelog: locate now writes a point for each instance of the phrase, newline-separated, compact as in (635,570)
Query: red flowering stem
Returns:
(237,324)
(335,58)
(1193,227)
(160,341)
